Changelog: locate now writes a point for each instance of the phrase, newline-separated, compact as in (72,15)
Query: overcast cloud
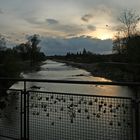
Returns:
(63,19)
(61,46)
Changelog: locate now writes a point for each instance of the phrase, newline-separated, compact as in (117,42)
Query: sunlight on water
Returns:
(60,71)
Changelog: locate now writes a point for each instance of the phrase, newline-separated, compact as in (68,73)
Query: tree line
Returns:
(13,60)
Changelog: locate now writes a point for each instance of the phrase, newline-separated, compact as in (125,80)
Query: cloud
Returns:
(61,46)
(75,29)
(57,27)
(64,17)
(91,27)
(67,29)
(1,11)
(86,17)
(33,20)
(52,21)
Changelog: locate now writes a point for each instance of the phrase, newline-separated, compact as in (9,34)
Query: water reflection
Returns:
(60,71)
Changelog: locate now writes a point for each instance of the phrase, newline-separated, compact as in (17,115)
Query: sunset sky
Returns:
(62,18)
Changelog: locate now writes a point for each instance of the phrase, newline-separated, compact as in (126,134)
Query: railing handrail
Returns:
(78,94)
(71,81)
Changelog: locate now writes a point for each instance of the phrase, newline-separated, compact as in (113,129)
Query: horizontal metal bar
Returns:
(72,82)
(76,94)
(8,137)
(18,90)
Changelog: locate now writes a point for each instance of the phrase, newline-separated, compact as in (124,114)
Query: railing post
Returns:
(137,121)
(21,113)
(27,115)
(25,112)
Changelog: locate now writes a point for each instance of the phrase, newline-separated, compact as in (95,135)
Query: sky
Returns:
(62,19)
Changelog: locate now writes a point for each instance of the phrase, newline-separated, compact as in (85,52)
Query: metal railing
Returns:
(33,114)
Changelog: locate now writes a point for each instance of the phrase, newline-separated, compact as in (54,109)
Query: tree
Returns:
(129,20)
(84,52)
(30,50)
(2,43)
(23,51)
(2,47)
(119,44)
(128,28)
(134,49)
(34,41)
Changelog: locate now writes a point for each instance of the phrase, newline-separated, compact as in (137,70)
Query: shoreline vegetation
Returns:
(121,72)
(24,57)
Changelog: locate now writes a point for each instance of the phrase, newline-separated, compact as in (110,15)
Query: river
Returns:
(60,71)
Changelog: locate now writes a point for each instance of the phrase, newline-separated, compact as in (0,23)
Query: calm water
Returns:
(69,117)
(60,71)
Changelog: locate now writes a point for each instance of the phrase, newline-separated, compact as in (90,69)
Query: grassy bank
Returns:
(114,71)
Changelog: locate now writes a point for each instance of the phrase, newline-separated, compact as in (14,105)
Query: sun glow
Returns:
(102,34)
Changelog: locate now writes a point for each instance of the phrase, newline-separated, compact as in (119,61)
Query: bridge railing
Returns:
(33,114)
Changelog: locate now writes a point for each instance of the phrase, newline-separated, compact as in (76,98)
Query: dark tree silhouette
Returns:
(2,43)
(128,22)
(134,49)
(126,32)
(34,41)
(30,50)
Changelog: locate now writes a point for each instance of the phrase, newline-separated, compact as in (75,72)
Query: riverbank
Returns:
(112,71)
(16,72)
(27,67)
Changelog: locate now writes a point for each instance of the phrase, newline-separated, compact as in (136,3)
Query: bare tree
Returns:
(127,29)
(129,20)
(117,43)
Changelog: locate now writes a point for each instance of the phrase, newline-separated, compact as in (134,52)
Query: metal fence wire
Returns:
(10,118)
(42,115)
(139,116)
(59,116)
